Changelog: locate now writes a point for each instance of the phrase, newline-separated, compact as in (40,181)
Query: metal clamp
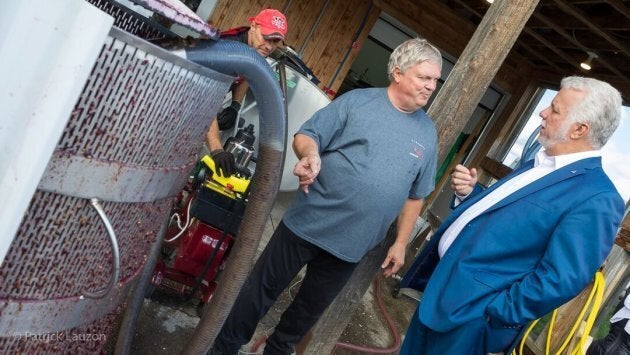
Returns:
(115,253)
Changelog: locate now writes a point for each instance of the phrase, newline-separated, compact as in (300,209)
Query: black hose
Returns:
(136,297)
(235,58)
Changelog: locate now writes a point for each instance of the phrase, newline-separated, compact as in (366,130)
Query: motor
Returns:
(242,147)
(204,224)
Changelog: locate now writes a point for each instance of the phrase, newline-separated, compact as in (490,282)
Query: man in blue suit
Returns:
(530,242)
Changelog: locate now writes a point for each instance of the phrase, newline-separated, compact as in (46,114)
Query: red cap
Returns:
(272,23)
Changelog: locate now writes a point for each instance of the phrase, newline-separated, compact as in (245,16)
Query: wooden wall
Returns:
(343,26)
(332,40)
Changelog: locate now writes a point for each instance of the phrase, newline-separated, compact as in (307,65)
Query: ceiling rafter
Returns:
(577,13)
(544,19)
(535,35)
(537,54)
(619,6)
(550,45)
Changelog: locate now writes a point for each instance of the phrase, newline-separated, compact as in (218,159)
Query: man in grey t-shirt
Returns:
(365,159)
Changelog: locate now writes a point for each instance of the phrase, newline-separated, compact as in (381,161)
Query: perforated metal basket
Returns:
(125,152)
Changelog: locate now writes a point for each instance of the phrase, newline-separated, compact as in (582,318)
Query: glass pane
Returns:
(615,154)
(513,157)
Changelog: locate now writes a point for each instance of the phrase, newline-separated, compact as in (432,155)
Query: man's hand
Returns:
(227,117)
(394,260)
(224,162)
(307,169)
(463,180)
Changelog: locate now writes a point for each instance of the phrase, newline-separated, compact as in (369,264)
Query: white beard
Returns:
(559,137)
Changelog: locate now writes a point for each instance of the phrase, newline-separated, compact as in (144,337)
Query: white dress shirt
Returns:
(623,314)
(543,165)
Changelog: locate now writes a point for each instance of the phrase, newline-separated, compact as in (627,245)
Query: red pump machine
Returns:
(204,224)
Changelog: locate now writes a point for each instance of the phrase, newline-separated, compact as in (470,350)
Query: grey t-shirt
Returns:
(373,157)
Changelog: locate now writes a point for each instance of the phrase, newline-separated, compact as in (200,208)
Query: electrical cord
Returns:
(178,220)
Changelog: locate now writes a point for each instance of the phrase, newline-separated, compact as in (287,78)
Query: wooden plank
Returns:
(356,48)
(339,39)
(577,13)
(547,21)
(567,315)
(433,20)
(496,169)
(337,53)
(619,6)
(229,14)
(302,15)
(321,38)
(615,270)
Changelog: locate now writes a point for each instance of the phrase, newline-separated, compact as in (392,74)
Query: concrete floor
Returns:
(166,322)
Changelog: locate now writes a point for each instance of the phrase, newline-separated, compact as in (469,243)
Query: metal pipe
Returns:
(235,58)
(310,34)
(354,39)
(113,280)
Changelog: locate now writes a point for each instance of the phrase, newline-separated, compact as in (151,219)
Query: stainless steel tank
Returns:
(303,99)
(125,152)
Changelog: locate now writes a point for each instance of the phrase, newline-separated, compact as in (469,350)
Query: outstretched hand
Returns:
(463,180)
(394,260)
(306,170)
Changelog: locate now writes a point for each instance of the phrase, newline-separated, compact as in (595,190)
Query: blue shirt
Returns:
(373,158)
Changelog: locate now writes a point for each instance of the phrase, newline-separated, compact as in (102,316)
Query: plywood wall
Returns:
(328,45)
(329,33)
(325,33)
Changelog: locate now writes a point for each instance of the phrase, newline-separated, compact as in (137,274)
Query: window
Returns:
(615,154)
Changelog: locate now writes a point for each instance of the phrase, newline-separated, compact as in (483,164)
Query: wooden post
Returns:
(476,67)
(451,109)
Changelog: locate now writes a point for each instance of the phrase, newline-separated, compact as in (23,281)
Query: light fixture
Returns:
(490,1)
(586,65)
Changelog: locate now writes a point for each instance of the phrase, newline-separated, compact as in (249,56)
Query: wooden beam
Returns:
(619,6)
(537,54)
(568,37)
(496,169)
(577,13)
(572,61)
(467,7)
(476,68)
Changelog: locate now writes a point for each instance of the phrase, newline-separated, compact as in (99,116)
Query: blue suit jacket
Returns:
(530,253)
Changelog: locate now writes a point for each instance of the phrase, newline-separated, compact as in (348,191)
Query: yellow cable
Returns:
(529,329)
(550,330)
(598,292)
(578,320)
(599,285)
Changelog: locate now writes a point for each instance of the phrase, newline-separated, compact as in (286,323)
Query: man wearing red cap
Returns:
(267,30)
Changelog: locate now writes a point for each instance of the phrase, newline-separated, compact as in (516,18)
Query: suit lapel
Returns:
(574,169)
